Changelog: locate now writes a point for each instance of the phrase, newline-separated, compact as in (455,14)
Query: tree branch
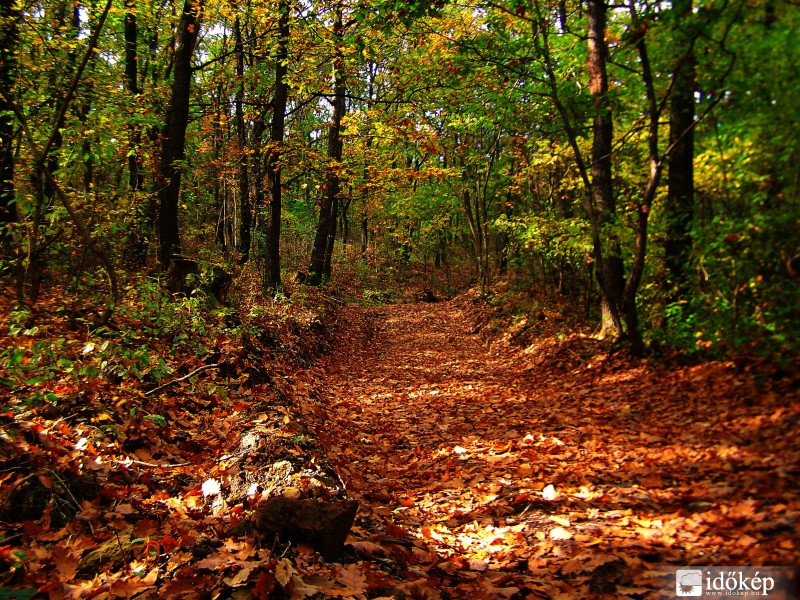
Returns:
(184,378)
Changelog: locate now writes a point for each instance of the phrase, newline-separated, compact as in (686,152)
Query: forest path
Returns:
(558,471)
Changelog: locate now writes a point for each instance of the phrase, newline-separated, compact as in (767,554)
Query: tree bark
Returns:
(598,215)
(610,271)
(245,206)
(135,173)
(173,150)
(364,235)
(277,131)
(680,176)
(322,252)
(9,38)
(643,209)
(220,197)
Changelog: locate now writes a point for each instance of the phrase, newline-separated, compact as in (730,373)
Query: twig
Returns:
(184,378)
(122,548)
(131,461)
(14,487)
(5,540)
(75,503)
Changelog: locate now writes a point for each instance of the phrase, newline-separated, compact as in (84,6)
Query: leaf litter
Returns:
(561,469)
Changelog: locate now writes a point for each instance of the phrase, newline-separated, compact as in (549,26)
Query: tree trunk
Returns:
(174,134)
(322,252)
(610,272)
(344,218)
(220,203)
(135,173)
(503,239)
(474,231)
(680,176)
(327,268)
(245,209)
(364,235)
(9,37)
(277,131)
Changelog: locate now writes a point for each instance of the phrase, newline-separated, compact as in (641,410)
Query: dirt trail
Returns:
(559,472)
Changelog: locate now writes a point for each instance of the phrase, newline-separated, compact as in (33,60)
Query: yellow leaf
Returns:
(561,520)
(239,579)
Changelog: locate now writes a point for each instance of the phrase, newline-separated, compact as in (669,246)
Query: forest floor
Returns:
(558,470)
(490,457)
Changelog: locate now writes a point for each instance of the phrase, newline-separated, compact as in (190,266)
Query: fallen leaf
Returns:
(284,572)
(559,533)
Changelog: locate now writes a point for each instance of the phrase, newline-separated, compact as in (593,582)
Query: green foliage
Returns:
(464,129)
(375,297)
(39,369)
(18,594)
(157,420)
(180,320)
(555,239)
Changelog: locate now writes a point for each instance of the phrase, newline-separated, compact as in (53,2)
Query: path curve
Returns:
(557,472)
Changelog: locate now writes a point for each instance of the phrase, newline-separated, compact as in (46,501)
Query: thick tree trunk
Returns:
(610,271)
(174,134)
(680,177)
(322,252)
(277,131)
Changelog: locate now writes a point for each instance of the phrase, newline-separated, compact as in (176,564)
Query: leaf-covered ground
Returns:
(131,457)
(554,471)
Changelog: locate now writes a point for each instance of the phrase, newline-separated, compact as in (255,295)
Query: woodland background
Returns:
(201,200)
(640,155)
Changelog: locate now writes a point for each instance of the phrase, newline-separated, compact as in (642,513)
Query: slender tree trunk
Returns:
(217,142)
(9,38)
(474,231)
(680,176)
(610,272)
(327,267)
(344,218)
(259,171)
(173,142)
(503,238)
(245,206)
(42,173)
(364,235)
(135,173)
(45,187)
(277,131)
(322,252)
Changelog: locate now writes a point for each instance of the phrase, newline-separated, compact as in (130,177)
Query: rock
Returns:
(427,296)
(322,523)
